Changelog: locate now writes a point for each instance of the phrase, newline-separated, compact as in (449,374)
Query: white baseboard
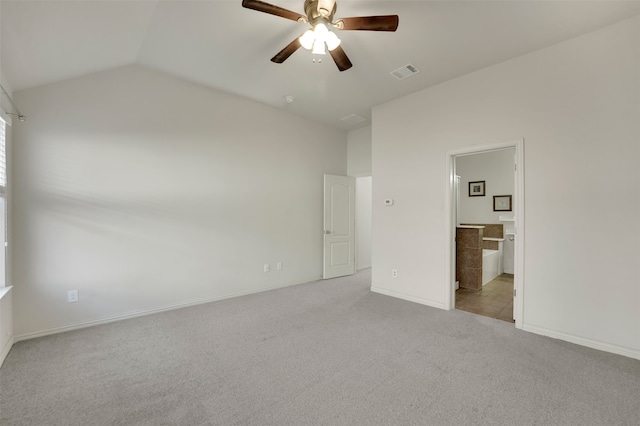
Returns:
(6,349)
(135,314)
(403,296)
(590,343)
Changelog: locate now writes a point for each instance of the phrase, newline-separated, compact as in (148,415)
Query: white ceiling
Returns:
(220,44)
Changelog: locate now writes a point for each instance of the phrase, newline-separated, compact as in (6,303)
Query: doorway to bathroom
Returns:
(485,212)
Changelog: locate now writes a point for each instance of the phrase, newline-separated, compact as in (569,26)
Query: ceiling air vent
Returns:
(405,72)
(353,119)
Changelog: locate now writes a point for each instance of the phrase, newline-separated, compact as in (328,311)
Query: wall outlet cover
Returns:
(72,296)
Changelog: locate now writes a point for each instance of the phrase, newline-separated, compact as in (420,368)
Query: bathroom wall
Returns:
(497,170)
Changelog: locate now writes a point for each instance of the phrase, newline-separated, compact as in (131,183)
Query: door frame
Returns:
(450,224)
(358,224)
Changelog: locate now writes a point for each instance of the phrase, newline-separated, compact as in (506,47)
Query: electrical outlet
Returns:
(394,273)
(279,266)
(72,296)
(267,267)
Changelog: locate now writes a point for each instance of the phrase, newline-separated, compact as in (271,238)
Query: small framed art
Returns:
(502,203)
(476,189)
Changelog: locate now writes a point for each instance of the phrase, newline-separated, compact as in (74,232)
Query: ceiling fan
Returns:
(319,14)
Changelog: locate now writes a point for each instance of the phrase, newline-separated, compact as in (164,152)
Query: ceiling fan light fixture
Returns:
(332,41)
(326,7)
(318,47)
(321,31)
(319,14)
(307,39)
(316,39)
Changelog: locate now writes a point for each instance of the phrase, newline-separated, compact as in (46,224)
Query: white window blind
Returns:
(3,203)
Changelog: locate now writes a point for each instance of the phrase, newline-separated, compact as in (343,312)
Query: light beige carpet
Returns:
(324,353)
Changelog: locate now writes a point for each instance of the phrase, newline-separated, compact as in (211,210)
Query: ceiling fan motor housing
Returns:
(320,11)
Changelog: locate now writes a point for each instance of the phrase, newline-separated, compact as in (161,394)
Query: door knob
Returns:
(327,232)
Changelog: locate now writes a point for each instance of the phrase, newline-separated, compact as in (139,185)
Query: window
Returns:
(3,159)
(3,202)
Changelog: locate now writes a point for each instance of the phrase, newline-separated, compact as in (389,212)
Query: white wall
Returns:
(496,168)
(364,192)
(359,152)
(577,106)
(359,166)
(146,192)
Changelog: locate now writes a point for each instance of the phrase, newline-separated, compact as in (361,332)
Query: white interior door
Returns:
(339,226)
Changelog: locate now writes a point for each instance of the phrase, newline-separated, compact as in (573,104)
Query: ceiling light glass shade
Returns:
(332,40)
(321,31)
(307,39)
(315,40)
(318,47)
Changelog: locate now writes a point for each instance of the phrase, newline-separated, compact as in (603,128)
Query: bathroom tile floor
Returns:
(495,300)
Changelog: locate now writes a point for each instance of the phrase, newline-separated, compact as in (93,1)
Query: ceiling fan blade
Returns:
(271,9)
(282,55)
(340,58)
(369,23)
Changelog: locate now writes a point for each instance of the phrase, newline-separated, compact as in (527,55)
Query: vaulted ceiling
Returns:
(222,45)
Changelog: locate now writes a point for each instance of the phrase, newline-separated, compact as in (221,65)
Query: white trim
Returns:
(4,290)
(403,296)
(590,343)
(144,312)
(6,349)
(450,221)
(519,232)
(6,117)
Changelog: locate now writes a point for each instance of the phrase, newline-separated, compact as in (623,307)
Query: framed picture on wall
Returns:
(502,203)
(476,189)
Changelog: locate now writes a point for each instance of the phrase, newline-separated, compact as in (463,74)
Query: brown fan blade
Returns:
(340,58)
(369,23)
(271,9)
(282,55)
